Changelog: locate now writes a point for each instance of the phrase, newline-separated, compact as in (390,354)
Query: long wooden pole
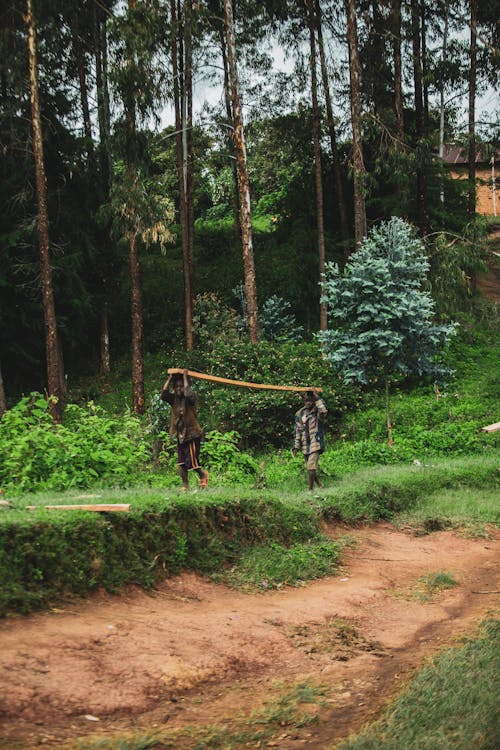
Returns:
(242,383)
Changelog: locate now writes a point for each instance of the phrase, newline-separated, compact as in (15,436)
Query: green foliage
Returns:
(380,320)
(220,453)
(277,322)
(89,446)
(454,262)
(380,492)
(452,703)
(141,208)
(468,508)
(213,321)
(439,581)
(46,554)
(275,566)
(261,417)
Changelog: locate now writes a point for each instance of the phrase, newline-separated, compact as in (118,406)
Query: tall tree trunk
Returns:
(320,222)
(359,172)
(425,82)
(103,118)
(398,78)
(419,117)
(243,182)
(84,99)
(390,439)
(3,400)
(138,400)
(337,176)
(472,108)
(177,51)
(189,157)
(105,367)
(51,335)
(444,50)
(230,138)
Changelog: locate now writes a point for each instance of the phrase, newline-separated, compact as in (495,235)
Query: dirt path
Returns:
(142,660)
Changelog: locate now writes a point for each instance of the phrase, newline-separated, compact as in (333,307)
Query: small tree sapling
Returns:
(380,318)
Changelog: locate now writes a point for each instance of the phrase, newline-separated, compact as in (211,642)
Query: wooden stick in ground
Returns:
(242,383)
(491,427)
(109,508)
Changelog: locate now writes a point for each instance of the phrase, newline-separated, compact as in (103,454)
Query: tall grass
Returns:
(453,704)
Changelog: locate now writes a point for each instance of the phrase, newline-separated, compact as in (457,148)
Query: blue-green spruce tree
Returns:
(380,319)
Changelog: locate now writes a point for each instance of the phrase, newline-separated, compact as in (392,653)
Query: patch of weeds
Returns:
(421,526)
(289,712)
(474,530)
(426,587)
(125,742)
(337,637)
(453,507)
(438,581)
(274,566)
(285,710)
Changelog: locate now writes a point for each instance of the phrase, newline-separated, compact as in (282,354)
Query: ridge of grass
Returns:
(46,554)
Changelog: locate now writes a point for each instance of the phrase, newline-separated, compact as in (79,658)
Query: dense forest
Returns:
(122,235)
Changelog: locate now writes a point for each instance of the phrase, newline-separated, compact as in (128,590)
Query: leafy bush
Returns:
(213,321)
(262,418)
(277,322)
(89,446)
(220,453)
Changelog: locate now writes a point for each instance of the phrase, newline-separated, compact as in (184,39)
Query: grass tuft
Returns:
(274,566)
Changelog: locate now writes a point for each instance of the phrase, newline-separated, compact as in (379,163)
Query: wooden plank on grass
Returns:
(104,508)
(491,427)
(242,383)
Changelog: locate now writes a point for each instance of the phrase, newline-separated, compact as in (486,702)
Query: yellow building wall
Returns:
(484,191)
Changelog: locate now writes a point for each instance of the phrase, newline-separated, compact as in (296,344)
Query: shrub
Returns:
(220,453)
(89,446)
(262,418)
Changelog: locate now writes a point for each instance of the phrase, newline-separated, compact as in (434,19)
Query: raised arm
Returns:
(167,383)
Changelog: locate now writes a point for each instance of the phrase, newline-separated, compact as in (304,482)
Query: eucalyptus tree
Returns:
(52,344)
(472,107)
(243,182)
(3,401)
(320,221)
(397,71)
(181,53)
(106,259)
(138,33)
(337,175)
(358,165)
(80,22)
(416,39)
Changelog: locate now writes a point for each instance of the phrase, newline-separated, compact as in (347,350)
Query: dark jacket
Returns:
(184,423)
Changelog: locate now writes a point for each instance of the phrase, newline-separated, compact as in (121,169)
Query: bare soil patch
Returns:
(196,653)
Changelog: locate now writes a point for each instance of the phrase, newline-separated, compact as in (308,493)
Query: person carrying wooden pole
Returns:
(184,427)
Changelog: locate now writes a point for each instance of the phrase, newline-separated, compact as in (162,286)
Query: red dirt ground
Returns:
(194,652)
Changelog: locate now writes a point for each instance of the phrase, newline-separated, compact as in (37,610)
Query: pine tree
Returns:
(380,319)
